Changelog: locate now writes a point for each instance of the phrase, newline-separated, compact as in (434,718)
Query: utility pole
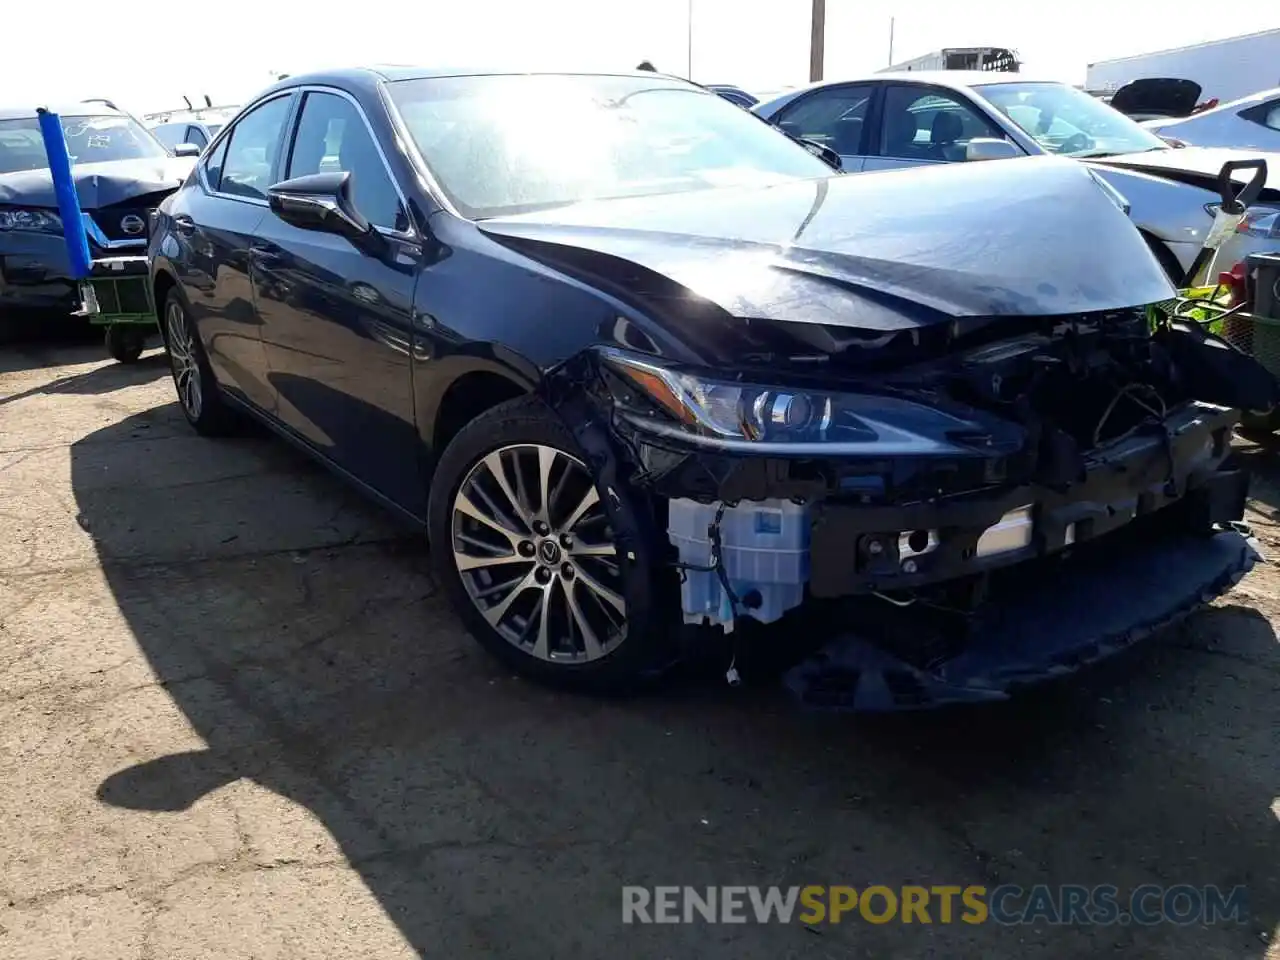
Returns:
(817,40)
(891,41)
(688,69)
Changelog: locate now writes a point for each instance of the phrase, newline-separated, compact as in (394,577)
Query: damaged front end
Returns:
(973,505)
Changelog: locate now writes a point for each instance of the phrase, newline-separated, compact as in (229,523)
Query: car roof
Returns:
(62,110)
(954,79)
(370,76)
(192,119)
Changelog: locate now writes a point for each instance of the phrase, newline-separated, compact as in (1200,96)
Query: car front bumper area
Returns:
(1042,621)
(965,597)
(35,274)
(859,549)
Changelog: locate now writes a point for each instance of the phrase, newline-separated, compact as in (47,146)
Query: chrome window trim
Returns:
(410,149)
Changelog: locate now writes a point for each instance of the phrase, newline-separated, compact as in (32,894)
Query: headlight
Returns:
(762,415)
(1261,222)
(30,220)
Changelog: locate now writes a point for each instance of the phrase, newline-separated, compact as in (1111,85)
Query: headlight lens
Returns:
(30,220)
(1260,222)
(769,414)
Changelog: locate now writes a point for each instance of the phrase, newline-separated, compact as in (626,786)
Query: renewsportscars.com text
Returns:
(1068,904)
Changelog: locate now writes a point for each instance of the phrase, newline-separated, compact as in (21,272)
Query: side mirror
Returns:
(989,148)
(186,150)
(322,201)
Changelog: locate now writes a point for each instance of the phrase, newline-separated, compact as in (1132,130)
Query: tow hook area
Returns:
(1055,616)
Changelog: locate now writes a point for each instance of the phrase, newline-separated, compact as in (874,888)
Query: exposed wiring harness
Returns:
(716,566)
(1128,390)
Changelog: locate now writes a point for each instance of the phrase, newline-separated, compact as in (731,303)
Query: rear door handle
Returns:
(184,224)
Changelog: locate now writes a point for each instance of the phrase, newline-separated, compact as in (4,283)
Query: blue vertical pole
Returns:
(55,145)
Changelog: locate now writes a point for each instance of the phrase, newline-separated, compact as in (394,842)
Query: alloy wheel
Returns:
(533,547)
(182,356)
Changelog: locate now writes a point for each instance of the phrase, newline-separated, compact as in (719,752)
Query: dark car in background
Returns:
(1156,98)
(121,174)
(735,95)
(635,359)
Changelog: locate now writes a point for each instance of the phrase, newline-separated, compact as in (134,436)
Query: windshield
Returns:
(1068,121)
(506,144)
(89,140)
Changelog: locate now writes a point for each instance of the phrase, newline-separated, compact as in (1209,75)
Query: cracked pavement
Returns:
(237,722)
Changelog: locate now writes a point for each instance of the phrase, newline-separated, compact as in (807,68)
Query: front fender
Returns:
(1169,211)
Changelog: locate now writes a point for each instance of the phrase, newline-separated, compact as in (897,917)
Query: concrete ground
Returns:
(236,721)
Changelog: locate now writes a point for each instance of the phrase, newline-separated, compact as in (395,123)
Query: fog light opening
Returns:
(916,543)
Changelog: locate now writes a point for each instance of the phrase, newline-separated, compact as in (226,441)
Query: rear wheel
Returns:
(198,395)
(525,541)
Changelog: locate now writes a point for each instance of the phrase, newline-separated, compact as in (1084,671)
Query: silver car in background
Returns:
(1252,121)
(197,126)
(890,121)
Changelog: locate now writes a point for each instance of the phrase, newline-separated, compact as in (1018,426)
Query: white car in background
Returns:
(889,121)
(1252,121)
(197,126)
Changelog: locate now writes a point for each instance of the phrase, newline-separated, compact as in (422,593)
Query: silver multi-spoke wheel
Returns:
(182,355)
(533,547)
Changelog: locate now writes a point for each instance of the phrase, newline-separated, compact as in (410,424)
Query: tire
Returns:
(198,394)
(515,437)
(125,342)
(1172,269)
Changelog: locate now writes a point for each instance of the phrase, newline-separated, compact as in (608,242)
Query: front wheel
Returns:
(526,543)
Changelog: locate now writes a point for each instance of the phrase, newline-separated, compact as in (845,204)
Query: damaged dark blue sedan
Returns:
(645,367)
(121,173)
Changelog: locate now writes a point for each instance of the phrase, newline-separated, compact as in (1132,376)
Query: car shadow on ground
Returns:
(32,342)
(106,379)
(1262,460)
(489,816)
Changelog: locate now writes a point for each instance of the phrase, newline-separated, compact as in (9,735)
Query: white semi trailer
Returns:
(961,58)
(1225,69)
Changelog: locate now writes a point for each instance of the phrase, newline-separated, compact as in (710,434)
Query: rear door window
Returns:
(213,165)
(1266,114)
(834,117)
(252,150)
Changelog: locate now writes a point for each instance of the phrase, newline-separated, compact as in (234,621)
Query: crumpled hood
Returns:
(877,251)
(98,184)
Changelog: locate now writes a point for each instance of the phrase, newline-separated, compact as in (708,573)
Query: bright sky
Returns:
(147,56)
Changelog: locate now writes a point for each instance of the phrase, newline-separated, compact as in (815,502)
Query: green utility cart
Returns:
(117,296)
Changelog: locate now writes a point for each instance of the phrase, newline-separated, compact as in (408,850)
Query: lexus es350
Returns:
(646,368)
